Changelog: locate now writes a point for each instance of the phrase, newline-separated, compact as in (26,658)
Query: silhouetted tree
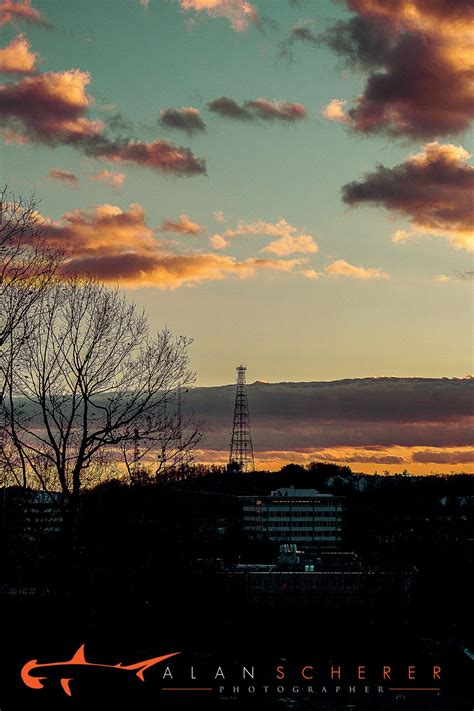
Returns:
(27,262)
(81,388)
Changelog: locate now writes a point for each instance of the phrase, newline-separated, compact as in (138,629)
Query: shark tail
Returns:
(141,667)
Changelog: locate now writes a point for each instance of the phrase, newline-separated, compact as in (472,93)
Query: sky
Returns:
(287,182)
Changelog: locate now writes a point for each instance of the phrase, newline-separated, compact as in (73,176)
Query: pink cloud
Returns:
(111,177)
(52,108)
(63,176)
(11,11)
(182,226)
(240,13)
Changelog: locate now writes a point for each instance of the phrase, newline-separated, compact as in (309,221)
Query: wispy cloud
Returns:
(21,11)
(258,110)
(289,240)
(183,226)
(111,177)
(301,33)
(240,13)
(342,268)
(64,176)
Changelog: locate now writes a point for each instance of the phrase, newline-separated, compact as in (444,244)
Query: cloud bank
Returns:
(372,421)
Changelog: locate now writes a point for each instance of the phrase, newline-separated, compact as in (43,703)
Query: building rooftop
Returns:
(291,493)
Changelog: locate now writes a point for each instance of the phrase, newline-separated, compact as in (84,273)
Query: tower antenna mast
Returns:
(241,447)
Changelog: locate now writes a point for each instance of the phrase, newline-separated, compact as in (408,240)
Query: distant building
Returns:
(42,514)
(331,580)
(291,515)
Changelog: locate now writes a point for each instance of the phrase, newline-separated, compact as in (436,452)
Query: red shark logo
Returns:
(69,669)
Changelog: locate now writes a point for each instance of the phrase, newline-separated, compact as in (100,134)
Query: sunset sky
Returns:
(289,182)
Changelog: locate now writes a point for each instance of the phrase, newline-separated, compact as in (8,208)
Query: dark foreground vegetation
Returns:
(143,576)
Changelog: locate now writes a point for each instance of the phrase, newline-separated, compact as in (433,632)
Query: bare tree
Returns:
(81,388)
(27,262)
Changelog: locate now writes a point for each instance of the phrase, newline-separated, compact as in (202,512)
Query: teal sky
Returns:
(285,327)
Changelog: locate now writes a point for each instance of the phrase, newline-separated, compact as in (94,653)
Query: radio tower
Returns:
(241,448)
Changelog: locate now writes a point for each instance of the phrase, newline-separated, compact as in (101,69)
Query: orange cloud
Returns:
(289,241)
(361,460)
(335,111)
(433,188)
(64,177)
(419,59)
(119,246)
(182,226)
(22,11)
(111,177)
(218,241)
(342,268)
(312,273)
(289,244)
(240,13)
(16,57)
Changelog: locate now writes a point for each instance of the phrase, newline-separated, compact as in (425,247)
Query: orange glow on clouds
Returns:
(239,13)
(16,57)
(417,460)
(119,247)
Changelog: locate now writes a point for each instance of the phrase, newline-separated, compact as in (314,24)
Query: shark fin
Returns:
(79,657)
(65,685)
